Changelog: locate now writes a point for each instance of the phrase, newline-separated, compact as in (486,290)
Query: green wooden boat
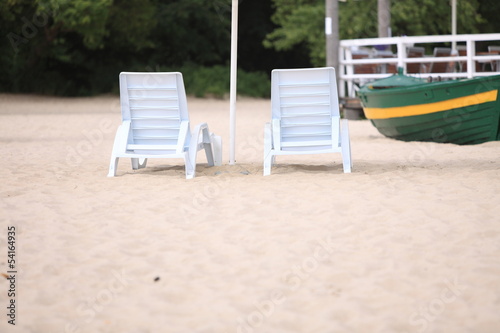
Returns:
(455,111)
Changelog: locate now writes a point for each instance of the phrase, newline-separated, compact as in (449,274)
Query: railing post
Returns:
(401,55)
(341,72)
(349,71)
(471,52)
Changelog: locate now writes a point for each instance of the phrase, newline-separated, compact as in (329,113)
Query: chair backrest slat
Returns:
(304,100)
(155,103)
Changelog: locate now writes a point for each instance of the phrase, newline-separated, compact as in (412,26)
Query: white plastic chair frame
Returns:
(305,116)
(155,124)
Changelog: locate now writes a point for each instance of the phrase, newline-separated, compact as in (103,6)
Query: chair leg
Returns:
(119,146)
(346,147)
(142,163)
(268,161)
(194,146)
(210,142)
(190,162)
(135,163)
(213,147)
(206,142)
(268,156)
(216,148)
(112,166)
(139,163)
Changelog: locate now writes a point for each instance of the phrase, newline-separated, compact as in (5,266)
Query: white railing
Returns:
(463,66)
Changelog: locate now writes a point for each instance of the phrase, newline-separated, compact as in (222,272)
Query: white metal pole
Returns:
(332,34)
(454,22)
(384,18)
(233,86)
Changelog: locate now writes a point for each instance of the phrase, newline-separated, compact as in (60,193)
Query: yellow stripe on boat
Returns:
(416,110)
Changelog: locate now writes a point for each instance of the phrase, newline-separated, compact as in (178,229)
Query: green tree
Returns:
(53,46)
(302,21)
(86,18)
(79,47)
(430,17)
(195,31)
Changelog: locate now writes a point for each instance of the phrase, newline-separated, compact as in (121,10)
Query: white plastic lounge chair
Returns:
(155,123)
(305,116)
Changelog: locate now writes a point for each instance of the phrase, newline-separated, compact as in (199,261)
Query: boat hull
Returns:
(460,112)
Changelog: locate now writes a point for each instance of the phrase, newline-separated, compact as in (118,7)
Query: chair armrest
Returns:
(184,137)
(121,138)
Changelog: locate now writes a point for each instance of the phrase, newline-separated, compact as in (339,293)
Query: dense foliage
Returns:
(78,47)
(300,22)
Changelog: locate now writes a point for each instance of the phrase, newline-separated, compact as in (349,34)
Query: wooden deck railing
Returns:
(362,61)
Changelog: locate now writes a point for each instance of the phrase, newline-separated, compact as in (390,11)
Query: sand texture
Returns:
(408,242)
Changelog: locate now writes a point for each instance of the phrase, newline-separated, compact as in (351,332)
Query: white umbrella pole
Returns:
(454,21)
(232,90)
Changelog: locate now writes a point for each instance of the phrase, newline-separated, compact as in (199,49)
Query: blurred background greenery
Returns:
(78,47)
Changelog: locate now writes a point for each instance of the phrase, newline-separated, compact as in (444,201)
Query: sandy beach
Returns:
(408,242)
